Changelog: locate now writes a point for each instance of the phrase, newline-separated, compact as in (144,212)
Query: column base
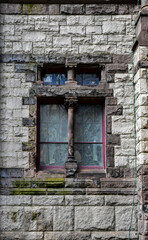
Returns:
(71,168)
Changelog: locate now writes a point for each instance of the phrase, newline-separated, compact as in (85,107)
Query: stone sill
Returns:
(69,191)
(71,1)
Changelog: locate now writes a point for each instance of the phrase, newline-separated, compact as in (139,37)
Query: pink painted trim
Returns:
(103,135)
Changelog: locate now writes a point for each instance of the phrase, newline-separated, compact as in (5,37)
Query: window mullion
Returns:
(71,163)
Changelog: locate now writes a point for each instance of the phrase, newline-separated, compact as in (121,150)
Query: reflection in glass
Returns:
(88,123)
(53,123)
(88,154)
(53,154)
(54,79)
(53,135)
(87,79)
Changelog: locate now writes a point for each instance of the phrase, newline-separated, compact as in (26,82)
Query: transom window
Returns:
(53,134)
(84,75)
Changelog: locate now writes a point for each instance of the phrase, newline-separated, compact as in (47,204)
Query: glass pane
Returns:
(53,123)
(88,154)
(87,79)
(88,123)
(54,79)
(53,154)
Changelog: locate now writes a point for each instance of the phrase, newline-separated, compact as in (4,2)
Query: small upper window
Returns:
(55,75)
(88,76)
(84,75)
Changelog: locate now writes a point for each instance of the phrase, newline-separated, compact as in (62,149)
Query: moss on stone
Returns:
(28,191)
(55,179)
(21,183)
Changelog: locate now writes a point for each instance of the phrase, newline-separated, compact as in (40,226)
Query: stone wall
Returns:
(78,217)
(92,206)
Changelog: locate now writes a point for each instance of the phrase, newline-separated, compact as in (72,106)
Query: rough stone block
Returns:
(53,9)
(28,146)
(25,67)
(48,200)
(22,235)
(72,30)
(67,235)
(61,42)
(35,9)
(29,122)
(123,218)
(11,218)
(80,20)
(38,218)
(114,110)
(113,27)
(94,218)
(34,36)
(30,76)
(113,139)
(28,100)
(113,235)
(15,200)
(72,9)
(11,172)
(120,200)
(84,200)
(93,30)
(63,218)
(97,9)
(10,8)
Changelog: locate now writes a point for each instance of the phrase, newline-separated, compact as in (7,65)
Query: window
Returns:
(82,74)
(53,133)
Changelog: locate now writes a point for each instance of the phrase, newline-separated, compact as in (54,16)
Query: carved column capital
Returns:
(71,102)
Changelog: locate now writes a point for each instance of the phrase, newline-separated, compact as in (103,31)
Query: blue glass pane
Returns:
(88,123)
(54,79)
(53,154)
(88,154)
(87,79)
(53,123)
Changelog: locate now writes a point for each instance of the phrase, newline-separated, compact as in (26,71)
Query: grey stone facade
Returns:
(45,205)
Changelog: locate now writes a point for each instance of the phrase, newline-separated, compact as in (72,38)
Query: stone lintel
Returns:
(70,1)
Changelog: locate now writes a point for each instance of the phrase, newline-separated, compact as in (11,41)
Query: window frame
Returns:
(60,100)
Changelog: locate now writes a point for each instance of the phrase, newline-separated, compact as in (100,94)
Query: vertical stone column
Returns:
(71,73)
(71,163)
(141,96)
